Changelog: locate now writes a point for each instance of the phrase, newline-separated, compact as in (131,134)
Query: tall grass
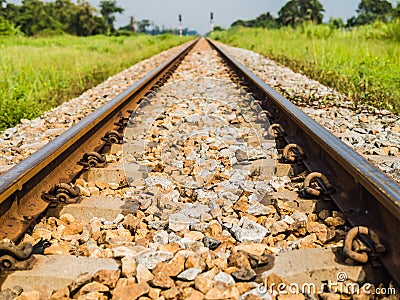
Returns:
(363,63)
(37,74)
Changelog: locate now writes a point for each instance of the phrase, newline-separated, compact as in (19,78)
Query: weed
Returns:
(363,63)
(37,74)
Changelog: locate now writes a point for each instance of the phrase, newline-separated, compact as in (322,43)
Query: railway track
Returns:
(199,181)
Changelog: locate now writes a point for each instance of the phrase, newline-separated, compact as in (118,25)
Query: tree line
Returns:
(149,27)
(35,17)
(296,12)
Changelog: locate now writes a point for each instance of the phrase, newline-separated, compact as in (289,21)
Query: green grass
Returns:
(37,74)
(363,63)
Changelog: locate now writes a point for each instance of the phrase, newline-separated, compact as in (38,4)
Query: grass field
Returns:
(363,63)
(37,74)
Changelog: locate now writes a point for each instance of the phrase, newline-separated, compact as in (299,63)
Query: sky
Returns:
(196,13)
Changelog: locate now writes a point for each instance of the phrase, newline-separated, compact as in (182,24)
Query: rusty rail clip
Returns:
(276,130)
(13,257)
(293,153)
(264,117)
(324,186)
(361,254)
(62,192)
(92,160)
(122,122)
(113,137)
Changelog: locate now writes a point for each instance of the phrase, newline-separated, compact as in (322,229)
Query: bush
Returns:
(123,32)
(7,28)
(362,63)
(316,31)
(49,33)
(392,30)
(379,31)
(39,73)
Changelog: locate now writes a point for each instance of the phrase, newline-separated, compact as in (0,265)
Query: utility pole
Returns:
(212,22)
(180,25)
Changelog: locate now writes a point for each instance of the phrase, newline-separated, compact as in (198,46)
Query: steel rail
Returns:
(365,194)
(22,186)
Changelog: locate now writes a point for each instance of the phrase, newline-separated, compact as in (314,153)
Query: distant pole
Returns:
(212,22)
(180,25)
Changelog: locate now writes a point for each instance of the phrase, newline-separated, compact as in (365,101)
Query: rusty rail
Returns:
(22,186)
(364,194)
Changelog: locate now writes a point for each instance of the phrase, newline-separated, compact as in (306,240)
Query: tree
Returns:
(239,23)
(371,10)
(377,7)
(64,11)
(265,20)
(85,22)
(3,4)
(34,17)
(289,14)
(108,9)
(296,12)
(142,25)
(396,11)
(312,10)
(336,22)
(8,28)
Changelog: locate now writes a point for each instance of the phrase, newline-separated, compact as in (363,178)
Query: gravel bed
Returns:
(210,212)
(24,139)
(371,132)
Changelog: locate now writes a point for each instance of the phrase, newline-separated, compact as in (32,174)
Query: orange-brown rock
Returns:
(205,281)
(238,259)
(173,267)
(131,292)
(162,280)
(171,247)
(172,293)
(61,293)
(154,293)
(323,233)
(107,277)
(58,248)
(220,292)
(274,280)
(125,281)
(194,261)
(230,270)
(131,222)
(244,287)
(143,274)
(128,266)
(251,247)
(219,262)
(192,294)
(92,287)
(241,205)
(213,230)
